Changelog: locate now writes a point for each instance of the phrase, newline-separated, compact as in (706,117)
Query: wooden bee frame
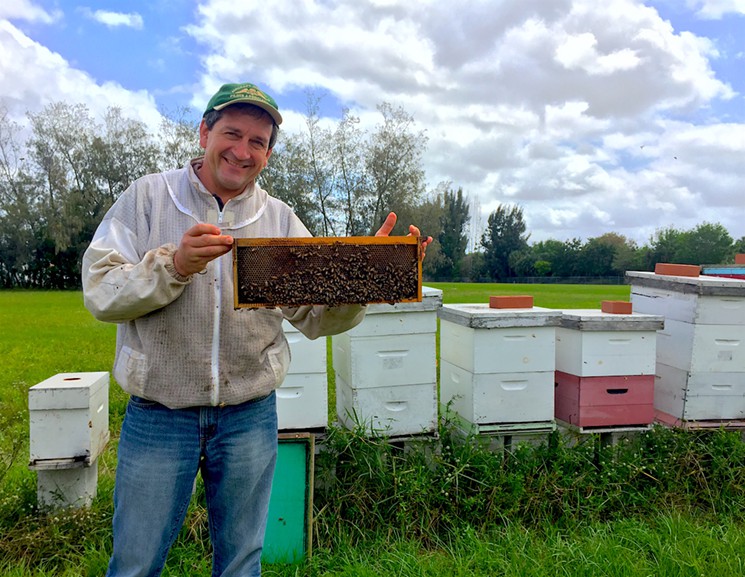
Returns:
(289,272)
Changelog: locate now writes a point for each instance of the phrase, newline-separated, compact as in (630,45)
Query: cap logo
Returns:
(251,92)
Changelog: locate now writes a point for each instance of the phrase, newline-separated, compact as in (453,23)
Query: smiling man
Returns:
(201,375)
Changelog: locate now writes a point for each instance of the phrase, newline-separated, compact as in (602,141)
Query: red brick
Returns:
(740,258)
(668,269)
(511,302)
(616,307)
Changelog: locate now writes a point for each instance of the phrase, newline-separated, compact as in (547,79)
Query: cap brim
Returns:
(273,112)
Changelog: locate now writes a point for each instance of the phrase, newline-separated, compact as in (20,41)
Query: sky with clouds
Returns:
(624,116)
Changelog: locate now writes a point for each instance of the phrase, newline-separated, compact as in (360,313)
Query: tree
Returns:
(452,237)
(610,254)
(393,163)
(557,258)
(287,178)
(707,243)
(428,217)
(122,152)
(77,169)
(321,166)
(664,246)
(178,139)
(19,201)
(596,258)
(348,146)
(739,245)
(505,234)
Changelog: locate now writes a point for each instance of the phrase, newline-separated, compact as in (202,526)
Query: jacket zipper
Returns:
(215,393)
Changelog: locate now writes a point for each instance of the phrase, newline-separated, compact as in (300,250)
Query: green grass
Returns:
(669,503)
(544,295)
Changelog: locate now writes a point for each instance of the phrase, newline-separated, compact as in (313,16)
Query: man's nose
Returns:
(242,150)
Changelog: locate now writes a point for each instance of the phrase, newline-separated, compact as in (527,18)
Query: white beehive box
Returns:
(385,361)
(700,370)
(702,348)
(490,398)
(393,411)
(593,343)
(69,419)
(302,399)
(497,365)
(386,367)
(680,395)
(702,300)
(302,402)
(503,350)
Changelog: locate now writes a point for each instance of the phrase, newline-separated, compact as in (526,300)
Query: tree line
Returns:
(60,174)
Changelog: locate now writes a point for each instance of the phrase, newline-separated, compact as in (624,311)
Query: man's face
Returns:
(236,151)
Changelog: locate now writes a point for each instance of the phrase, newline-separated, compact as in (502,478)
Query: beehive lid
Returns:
(480,316)
(597,320)
(700,285)
(66,391)
(431,301)
(272,272)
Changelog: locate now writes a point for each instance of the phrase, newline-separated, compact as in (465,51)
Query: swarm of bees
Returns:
(325,271)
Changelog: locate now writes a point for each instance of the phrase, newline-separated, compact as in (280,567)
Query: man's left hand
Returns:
(390,222)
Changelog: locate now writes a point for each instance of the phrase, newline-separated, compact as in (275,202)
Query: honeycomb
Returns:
(273,272)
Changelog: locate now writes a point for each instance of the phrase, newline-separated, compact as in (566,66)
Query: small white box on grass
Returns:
(69,418)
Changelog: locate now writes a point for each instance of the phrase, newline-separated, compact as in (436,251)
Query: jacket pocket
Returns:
(130,370)
(279,361)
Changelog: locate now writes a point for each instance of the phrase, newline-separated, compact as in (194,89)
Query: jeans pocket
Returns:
(142,403)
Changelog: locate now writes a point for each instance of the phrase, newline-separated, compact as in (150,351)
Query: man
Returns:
(201,374)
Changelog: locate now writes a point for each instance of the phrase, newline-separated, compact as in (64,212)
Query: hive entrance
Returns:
(333,271)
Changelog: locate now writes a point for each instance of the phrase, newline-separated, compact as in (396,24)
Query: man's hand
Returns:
(390,222)
(199,245)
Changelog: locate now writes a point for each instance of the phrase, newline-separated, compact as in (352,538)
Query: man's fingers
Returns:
(387,227)
(199,245)
(203,234)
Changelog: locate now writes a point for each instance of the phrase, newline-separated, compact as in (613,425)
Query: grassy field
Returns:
(672,504)
(544,295)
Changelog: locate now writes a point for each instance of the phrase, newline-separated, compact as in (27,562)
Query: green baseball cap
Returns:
(249,93)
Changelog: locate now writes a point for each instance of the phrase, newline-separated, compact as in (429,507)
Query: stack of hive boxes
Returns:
(68,431)
(605,364)
(701,350)
(386,368)
(497,362)
(302,400)
(736,270)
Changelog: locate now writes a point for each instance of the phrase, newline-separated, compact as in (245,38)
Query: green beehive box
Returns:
(288,531)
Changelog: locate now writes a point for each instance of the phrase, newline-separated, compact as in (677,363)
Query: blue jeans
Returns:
(160,451)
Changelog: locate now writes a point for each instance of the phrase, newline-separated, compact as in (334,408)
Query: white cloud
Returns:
(32,76)
(114,19)
(716,9)
(592,119)
(26,10)
(518,98)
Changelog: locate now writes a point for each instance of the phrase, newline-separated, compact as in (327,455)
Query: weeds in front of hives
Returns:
(430,487)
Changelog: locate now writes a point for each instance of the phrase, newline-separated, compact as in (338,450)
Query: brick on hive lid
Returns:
(668,269)
(616,307)
(740,258)
(511,302)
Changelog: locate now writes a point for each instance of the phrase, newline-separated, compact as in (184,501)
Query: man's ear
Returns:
(203,132)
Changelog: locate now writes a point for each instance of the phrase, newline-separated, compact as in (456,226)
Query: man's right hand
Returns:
(199,245)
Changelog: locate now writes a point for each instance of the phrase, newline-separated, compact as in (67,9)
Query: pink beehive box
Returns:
(604,401)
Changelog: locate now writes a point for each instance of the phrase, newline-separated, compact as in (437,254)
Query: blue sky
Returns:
(628,118)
